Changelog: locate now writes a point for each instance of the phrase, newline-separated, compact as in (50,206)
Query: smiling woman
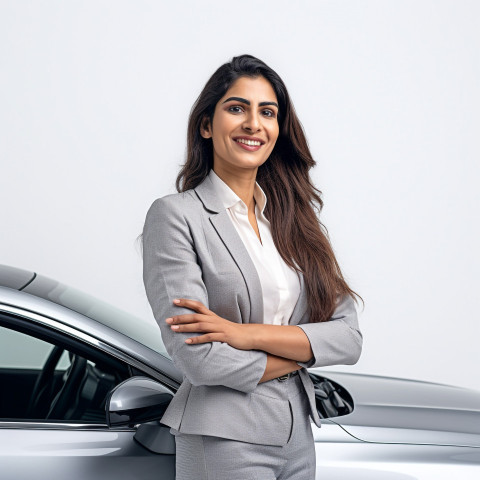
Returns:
(261,295)
(229,125)
(249,142)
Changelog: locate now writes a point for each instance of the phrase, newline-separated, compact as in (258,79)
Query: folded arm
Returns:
(170,270)
(335,342)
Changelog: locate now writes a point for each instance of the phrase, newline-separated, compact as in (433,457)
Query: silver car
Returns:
(83,385)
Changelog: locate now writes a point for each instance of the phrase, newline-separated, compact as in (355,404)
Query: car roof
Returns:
(15,278)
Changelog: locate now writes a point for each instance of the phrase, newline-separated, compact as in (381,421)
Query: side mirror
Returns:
(136,400)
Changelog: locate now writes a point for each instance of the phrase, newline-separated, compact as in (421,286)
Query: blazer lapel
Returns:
(232,240)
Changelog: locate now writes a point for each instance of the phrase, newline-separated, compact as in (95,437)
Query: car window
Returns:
(44,381)
(18,350)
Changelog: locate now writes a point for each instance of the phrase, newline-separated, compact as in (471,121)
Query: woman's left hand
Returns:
(216,328)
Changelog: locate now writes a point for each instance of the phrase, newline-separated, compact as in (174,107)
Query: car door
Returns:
(54,425)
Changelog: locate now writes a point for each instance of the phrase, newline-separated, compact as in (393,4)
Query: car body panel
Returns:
(377,461)
(399,410)
(78,455)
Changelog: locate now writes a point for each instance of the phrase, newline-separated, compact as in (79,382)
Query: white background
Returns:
(95,98)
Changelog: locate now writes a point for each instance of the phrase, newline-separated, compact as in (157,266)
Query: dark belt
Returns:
(287,376)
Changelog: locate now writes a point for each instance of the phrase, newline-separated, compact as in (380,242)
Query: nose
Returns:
(252,121)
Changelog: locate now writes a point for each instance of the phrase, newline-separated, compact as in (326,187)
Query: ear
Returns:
(205,128)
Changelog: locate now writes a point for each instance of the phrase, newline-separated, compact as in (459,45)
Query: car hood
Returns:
(399,410)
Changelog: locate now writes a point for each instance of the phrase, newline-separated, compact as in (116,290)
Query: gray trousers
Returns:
(204,457)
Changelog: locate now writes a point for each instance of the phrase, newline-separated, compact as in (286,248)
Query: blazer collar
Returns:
(220,220)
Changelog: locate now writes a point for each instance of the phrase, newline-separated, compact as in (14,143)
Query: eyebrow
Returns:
(243,100)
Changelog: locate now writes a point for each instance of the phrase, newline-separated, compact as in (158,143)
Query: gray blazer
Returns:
(192,250)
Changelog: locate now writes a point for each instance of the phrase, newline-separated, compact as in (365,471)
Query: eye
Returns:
(270,113)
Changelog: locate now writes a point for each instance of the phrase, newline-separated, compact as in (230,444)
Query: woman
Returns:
(259,295)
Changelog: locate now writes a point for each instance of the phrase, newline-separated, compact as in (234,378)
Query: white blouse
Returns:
(280,283)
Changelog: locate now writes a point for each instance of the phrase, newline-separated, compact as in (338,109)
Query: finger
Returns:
(185,318)
(193,327)
(193,304)
(209,337)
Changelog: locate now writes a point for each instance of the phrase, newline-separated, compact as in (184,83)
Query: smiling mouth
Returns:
(249,145)
(252,143)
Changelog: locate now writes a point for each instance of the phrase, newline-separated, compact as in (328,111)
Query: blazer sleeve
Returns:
(171,270)
(337,341)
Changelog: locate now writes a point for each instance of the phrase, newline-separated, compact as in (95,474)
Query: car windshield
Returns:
(134,327)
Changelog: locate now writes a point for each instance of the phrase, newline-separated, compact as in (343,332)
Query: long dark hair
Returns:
(298,234)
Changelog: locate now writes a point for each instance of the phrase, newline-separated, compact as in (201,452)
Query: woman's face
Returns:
(249,109)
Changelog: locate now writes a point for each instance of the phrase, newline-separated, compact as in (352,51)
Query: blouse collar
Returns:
(230,199)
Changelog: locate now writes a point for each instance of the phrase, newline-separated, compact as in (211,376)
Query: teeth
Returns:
(248,142)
